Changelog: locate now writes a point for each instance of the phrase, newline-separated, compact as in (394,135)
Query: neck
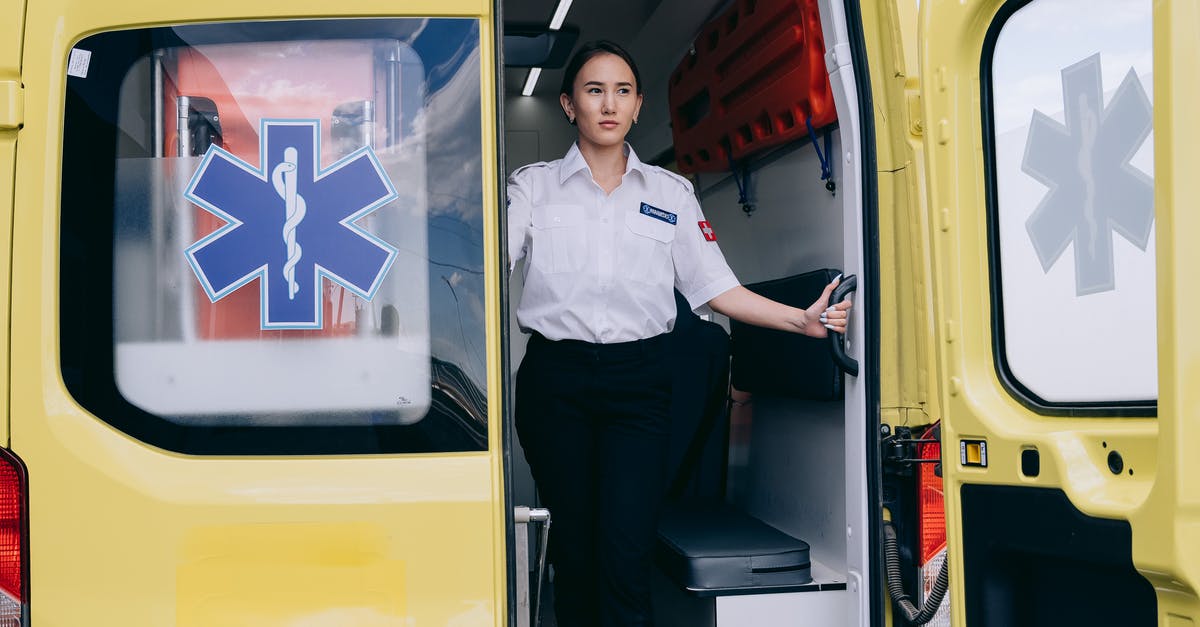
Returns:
(605,162)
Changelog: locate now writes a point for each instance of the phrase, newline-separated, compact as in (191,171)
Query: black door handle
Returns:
(837,342)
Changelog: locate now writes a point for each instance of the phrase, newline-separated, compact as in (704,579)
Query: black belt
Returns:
(615,350)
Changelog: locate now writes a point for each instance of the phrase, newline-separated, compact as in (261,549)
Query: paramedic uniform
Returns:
(593,389)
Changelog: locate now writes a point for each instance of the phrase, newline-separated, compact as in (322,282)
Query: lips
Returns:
(609,125)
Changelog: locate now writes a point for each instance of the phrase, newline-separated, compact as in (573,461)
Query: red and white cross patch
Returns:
(707,230)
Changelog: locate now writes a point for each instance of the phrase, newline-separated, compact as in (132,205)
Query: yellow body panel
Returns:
(12,19)
(975,404)
(906,331)
(123,533)
(1166,528)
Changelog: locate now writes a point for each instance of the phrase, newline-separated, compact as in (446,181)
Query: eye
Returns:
(593,90)
(624,91)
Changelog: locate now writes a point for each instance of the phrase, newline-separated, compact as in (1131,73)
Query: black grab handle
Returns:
(837,346)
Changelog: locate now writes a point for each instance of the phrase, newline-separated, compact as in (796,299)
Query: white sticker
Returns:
(78,64)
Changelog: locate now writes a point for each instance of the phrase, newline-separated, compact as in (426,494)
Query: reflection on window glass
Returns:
(295,236)
(1071,84)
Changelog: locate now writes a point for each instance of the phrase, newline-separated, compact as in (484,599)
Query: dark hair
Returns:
(585,54)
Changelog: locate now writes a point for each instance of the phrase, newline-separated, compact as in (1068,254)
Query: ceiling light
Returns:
(531,81)
(560,14)
(556,22)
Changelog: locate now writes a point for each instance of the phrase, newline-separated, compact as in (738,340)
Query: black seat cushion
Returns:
(766,361)
(712,549)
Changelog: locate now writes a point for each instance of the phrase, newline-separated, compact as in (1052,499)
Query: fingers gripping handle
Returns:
(837,341)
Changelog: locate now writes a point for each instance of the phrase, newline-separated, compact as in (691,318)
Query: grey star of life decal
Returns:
(1094,190)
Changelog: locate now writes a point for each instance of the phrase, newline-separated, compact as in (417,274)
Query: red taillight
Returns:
(13,528)
(931,510)
(931,506)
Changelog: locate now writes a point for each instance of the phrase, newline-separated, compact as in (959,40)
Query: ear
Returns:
(637,109)
(568,107)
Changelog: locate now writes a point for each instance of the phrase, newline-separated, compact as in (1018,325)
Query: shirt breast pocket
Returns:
(560,242)
(648,244)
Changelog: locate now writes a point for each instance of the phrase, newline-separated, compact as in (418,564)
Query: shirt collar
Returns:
(573,162)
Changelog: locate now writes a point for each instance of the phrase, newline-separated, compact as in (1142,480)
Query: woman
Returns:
(605,238)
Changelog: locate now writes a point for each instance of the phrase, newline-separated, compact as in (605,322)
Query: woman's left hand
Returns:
(822,318)
(745,306)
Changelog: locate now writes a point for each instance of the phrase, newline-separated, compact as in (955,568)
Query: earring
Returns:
(571,120)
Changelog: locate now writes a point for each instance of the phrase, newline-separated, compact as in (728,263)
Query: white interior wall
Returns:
(796,226)
(796,478)
(794,474)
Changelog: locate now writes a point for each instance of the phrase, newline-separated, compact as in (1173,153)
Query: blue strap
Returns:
(826,166)
(747,206)
(739,180)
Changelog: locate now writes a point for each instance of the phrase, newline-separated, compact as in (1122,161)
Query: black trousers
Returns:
(593,420)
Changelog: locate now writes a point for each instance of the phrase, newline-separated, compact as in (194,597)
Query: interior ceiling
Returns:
(622,21)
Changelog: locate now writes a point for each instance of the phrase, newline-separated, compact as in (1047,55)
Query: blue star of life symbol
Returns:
(290,223)
(1094,190)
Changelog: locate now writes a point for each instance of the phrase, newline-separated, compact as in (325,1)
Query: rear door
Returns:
(255,285)
(1062,236)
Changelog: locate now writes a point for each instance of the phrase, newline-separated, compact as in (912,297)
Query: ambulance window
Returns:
(272,236)
(1068,90)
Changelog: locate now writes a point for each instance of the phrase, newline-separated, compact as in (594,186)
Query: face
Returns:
(604,102)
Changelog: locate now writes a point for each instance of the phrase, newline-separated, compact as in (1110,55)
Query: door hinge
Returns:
(12,105)
(900,452)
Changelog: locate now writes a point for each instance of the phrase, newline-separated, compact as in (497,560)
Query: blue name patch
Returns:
(659,214)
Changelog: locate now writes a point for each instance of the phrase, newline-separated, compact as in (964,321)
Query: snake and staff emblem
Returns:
(283,177)
(329,202)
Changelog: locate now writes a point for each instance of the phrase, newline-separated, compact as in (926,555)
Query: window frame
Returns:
(87,342)
(1004,373)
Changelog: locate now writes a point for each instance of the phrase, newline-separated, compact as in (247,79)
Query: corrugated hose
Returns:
(896,587)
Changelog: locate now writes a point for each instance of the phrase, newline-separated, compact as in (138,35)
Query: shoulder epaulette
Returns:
(678,178)
(539,164)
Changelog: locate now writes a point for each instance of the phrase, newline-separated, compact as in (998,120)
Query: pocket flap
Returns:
(557,216)
(647,226)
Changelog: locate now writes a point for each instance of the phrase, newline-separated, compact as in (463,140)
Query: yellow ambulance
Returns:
(260,351)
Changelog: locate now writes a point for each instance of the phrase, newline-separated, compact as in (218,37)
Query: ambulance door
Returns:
(1061,235)
(258,376)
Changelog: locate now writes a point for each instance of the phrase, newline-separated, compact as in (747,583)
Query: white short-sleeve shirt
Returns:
(601,268)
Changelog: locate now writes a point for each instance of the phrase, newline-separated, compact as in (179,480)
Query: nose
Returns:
(609,103)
